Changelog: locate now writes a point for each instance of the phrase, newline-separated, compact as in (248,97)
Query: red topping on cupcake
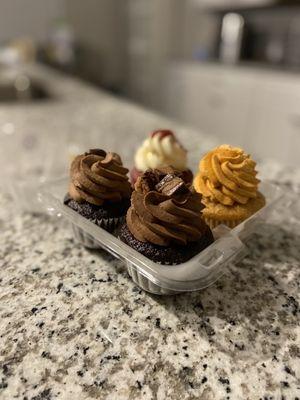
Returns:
(162,133)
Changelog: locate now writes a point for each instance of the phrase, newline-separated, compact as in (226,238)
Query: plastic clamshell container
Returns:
(35,163)
(26,173)
(197,273)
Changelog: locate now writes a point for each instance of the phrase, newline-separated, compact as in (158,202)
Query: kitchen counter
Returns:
(73,325)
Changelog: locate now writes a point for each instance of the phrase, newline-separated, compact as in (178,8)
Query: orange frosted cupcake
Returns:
(229,187)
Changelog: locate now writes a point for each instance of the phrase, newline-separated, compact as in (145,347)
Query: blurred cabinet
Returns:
(206,98)
(256,110)
(100,29)
(153,38)
(231,4)
(275,126)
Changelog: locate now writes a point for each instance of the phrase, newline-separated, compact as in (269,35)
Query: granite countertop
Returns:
(73,325)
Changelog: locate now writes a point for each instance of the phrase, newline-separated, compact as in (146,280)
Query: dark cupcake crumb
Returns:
(96,213)
(170,255)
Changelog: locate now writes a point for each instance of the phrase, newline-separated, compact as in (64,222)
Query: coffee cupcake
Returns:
(164,222)
(229,187)
(159,150)
(99,188)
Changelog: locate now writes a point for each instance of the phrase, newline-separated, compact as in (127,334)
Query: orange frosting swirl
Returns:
(227,175)
(97,176)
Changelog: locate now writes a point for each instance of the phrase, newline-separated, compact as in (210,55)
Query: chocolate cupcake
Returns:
(164,221)
(99,188)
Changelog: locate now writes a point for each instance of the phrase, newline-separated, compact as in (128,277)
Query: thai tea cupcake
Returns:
(229,187)
(161,149)
(99,188)
(164,222)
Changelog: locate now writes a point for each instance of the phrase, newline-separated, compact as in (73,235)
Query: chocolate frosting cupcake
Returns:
(97,176)
(164,221)
(99,188)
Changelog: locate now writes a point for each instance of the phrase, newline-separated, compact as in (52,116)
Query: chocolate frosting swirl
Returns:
(97,176)
(165,217)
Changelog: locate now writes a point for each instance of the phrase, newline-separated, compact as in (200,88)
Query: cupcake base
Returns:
(216,214)
(170,255)
(107,216)
(213,223)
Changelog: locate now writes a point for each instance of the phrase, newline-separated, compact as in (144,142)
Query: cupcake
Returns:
(229,187)
(99,188)
(159,150)
(164,222)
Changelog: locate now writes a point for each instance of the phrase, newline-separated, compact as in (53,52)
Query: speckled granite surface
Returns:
(74,326)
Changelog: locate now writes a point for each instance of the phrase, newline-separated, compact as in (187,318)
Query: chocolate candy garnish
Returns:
(171,185)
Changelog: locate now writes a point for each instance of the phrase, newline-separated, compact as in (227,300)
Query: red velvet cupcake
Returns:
(161,149)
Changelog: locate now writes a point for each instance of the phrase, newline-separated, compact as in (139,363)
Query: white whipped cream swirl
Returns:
(161,150)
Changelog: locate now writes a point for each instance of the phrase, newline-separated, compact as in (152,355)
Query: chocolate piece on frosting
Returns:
(152,177)
(171,185)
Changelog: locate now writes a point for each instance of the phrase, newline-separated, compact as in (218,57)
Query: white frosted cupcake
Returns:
(161,149)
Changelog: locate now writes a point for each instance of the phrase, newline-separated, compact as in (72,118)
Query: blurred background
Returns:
(228,68)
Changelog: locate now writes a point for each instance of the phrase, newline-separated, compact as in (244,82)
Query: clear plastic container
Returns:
(197,273)
(30,159)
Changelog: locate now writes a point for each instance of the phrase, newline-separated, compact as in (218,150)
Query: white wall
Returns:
(32,18)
